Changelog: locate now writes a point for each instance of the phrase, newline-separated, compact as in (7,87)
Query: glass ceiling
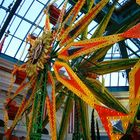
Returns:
(26,19)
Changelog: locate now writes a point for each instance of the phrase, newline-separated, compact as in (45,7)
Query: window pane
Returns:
(2,16)
(22,30)
(122,78)
(25,7)
(34,11)
(22,52)
(114,79)
(14,25)
(131,45)
(13,47)
(7,3)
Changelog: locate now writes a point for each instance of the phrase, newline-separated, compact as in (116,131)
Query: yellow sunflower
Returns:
(38,52)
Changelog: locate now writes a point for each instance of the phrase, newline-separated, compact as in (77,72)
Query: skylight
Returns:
(26,18)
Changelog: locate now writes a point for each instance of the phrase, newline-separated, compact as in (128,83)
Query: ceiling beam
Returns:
(124,54)
(11,14)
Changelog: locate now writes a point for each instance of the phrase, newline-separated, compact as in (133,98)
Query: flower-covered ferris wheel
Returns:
(60,70)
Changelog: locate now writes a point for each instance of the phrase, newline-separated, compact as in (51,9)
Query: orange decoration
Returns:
(66,75)
(133,32)
(107,116)
(50,101)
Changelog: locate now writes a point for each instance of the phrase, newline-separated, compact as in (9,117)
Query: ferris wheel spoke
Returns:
(68,78)
(70,35)
(115,123)
(51,107)
(23,106)
(76,49)
(134,97)
(67,23)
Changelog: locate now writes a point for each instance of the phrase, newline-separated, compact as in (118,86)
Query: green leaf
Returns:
(84,119)
(65,118)
(59,101)
(104,96)
(106,67)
